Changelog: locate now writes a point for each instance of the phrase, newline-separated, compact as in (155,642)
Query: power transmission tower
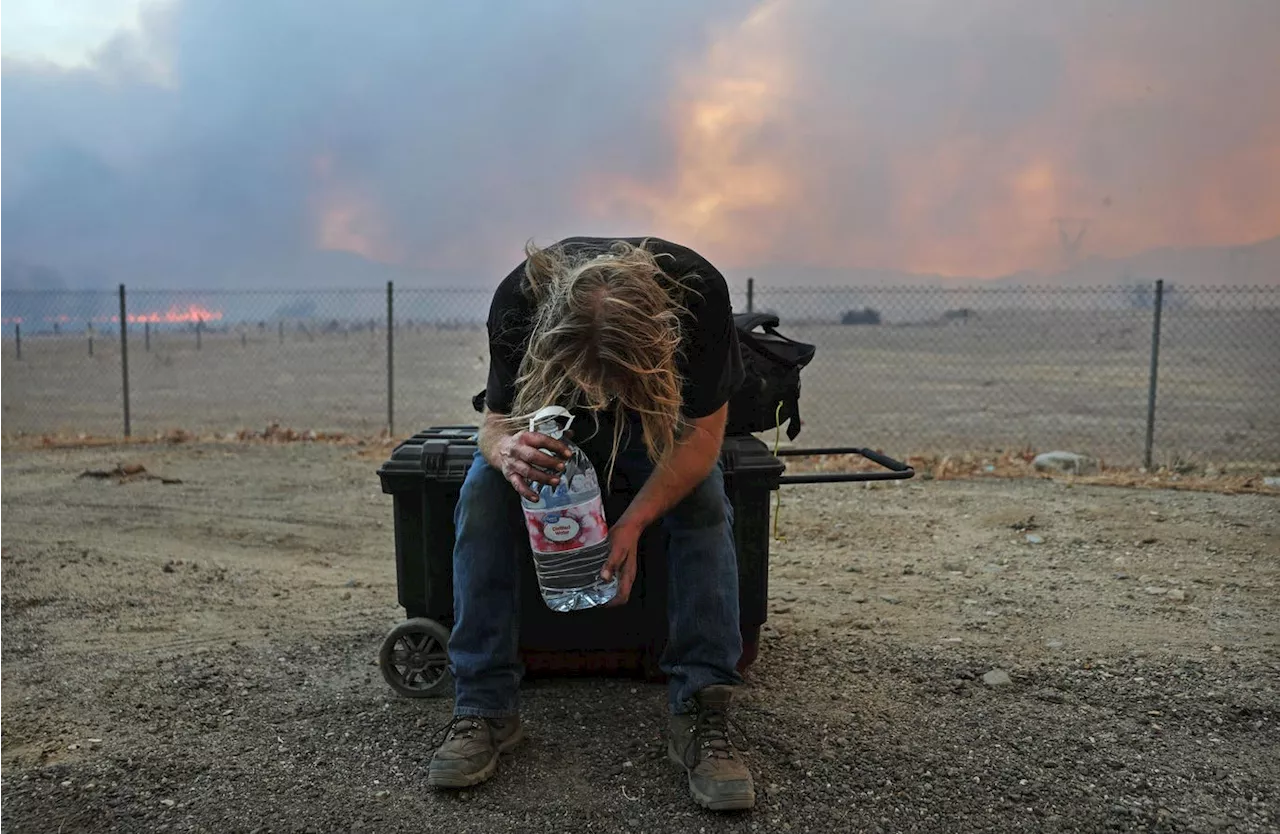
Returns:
(1071,242)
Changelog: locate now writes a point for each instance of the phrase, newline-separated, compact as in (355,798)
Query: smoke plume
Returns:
(238,143)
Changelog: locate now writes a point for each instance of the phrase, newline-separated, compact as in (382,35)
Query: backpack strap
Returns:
(750,321)
(793,425)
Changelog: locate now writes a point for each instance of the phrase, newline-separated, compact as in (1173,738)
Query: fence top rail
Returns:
(759,286)
(132,291)
(372,291)
(1024,289)
(111,293)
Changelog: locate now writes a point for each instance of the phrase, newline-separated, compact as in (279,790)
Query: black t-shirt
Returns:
(709,362)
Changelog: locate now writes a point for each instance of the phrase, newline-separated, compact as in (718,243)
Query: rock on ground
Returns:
(1065,463)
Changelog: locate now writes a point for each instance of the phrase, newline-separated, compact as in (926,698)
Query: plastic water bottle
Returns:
(567,530)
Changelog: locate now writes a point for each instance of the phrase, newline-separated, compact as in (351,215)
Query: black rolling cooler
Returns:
(424,475)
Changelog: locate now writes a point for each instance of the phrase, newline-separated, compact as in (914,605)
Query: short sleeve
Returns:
(714,370)
(508,325)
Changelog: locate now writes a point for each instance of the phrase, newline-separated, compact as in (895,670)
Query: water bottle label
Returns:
(566,529)
(560,528)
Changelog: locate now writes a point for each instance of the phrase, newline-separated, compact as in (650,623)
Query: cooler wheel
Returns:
(415,658)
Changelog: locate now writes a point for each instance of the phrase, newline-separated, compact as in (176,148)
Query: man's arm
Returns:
(714,372)
(683,468)
(675,476)
(492,431)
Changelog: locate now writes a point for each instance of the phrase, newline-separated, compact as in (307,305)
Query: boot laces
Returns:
(459,726)
(712,728)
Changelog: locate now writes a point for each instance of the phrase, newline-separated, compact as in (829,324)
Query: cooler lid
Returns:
(444,454)
(440,453)
(744,455)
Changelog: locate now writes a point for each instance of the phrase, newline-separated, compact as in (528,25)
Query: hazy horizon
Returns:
(195,143)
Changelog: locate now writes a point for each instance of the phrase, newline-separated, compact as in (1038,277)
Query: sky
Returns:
(66,32)
(231,143)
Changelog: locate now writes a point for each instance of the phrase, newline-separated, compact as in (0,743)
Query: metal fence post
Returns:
(1151,380)
(199,331)
(17,336)
(146,330)
(89,329)
(124,358)
(391,348)
(751,295)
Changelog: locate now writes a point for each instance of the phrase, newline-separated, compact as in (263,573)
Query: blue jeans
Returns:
(704,636)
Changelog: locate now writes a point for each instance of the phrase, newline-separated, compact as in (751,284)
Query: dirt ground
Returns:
(200,656)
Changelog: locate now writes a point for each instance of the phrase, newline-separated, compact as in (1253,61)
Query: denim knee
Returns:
(485,497)
(705,506)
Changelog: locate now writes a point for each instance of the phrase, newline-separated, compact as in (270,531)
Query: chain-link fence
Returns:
(953,371)
(908,370)
(61,365)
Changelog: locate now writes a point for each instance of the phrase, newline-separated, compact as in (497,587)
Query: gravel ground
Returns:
(967,655)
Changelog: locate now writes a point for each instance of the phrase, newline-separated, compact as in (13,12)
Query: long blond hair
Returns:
(605,336)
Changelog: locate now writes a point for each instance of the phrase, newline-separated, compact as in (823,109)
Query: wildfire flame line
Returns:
(191,313)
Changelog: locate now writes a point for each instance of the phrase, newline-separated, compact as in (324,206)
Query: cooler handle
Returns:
(896,469)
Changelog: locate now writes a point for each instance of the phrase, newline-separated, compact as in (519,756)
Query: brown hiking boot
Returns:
(469,754)
(699,742)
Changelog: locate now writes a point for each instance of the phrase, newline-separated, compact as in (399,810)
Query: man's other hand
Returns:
(624,540)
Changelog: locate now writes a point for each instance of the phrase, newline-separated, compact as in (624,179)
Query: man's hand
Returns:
(521,459)
(624,542)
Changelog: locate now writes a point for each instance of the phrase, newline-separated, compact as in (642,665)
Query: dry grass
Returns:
(1018,465)
(963,466)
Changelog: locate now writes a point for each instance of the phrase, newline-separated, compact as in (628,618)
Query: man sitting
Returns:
(637,336)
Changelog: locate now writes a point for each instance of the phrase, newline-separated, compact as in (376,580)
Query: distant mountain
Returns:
(1248,264)
(19,275)
(327,269)
(316,270)
(775,276)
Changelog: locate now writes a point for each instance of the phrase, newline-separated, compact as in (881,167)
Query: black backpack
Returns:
(770,392)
